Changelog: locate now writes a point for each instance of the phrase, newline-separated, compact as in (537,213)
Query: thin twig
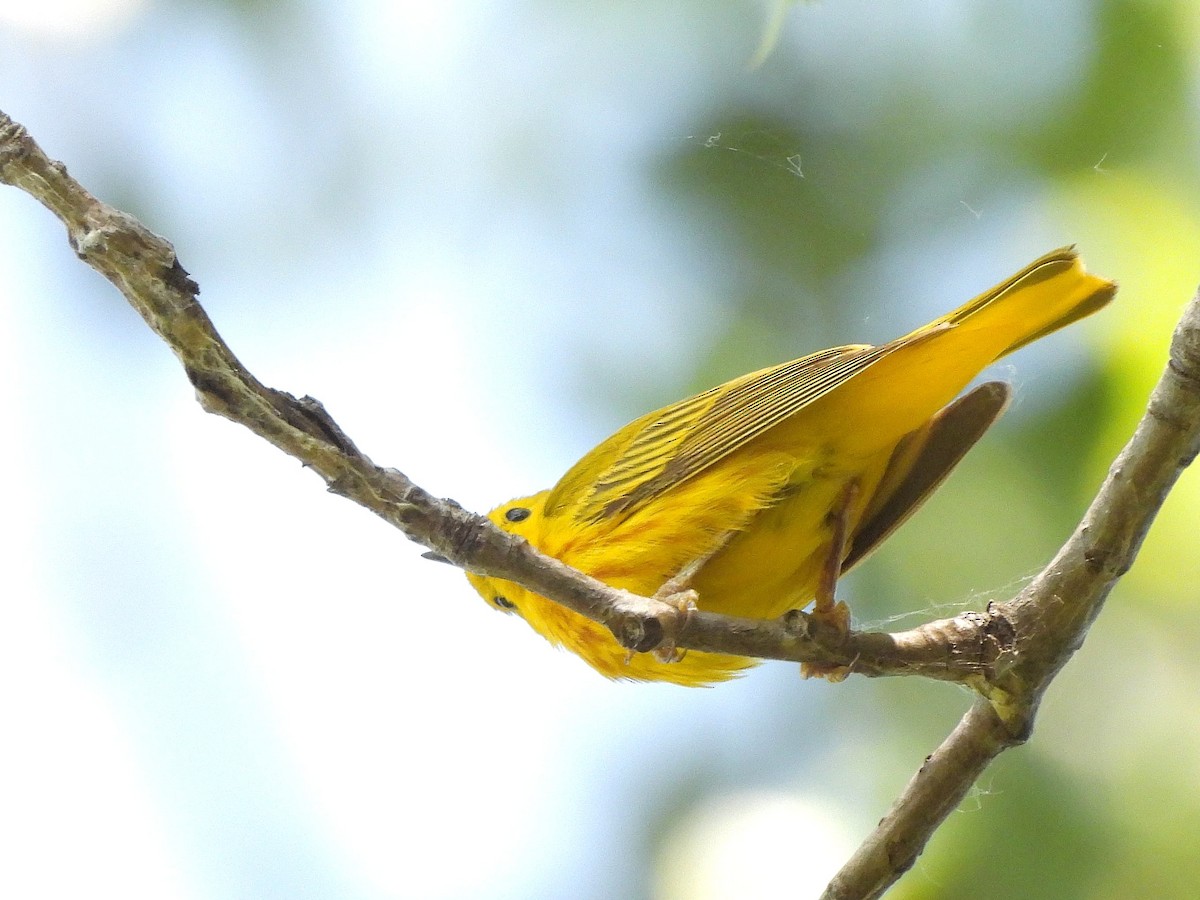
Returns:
(144,267)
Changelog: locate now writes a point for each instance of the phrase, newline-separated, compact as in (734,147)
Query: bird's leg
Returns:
(680,584)
(825,605)
(681,581)
(827,609)
(677,591)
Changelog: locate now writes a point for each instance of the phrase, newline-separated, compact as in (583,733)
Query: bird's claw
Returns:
(837,617)
(685,602)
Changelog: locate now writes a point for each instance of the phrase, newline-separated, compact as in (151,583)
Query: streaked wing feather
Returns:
(632,459)
(682,440)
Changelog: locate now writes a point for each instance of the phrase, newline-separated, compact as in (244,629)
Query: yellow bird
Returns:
(760,492)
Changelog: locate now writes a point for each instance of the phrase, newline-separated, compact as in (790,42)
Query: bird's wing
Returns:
(665,448)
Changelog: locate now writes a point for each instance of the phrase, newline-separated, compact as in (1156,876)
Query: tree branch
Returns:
(1008,654)
(1049,620)
(144,267)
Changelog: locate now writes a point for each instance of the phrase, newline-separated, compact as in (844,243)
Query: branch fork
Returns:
(1008,653)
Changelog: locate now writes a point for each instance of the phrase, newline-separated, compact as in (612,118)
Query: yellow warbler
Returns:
(758,493)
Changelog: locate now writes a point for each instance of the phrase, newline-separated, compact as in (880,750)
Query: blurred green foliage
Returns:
(1109,149)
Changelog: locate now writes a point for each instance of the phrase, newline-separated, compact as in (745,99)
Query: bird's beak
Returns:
(436,557)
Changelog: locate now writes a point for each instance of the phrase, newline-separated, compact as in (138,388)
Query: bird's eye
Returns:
(503,602)
(517,514)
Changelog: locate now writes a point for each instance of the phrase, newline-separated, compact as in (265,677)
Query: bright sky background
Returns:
(222,681)
(217,680)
